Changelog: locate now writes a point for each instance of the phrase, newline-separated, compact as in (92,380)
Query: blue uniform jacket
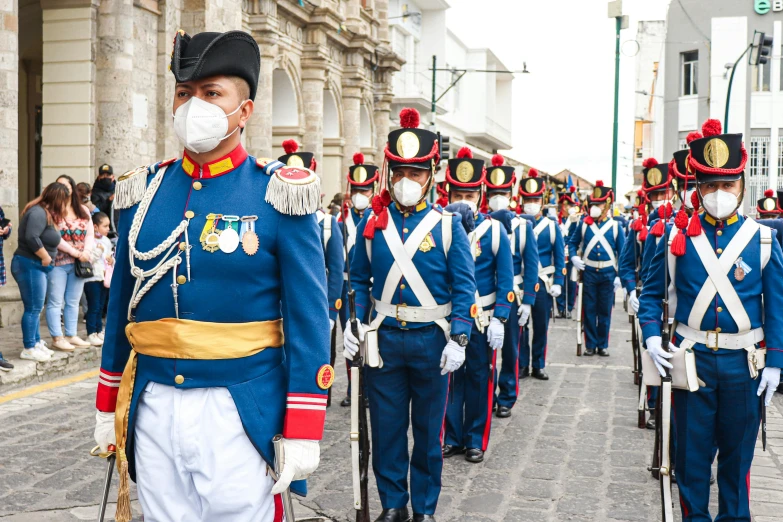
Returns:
(577,241)
(335,264)
(525,260)
(449,278)
(551,252)
(495,273)
(630,259)
(284,279)
(761,292)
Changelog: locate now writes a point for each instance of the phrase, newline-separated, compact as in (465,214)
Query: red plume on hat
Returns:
(650,163)
(694,136)
(465,152)
(599,183)
(711,127)
(409,118)
(290,146)
(498,160)
(572,189)
(769,193)
(358,158)
(532,173)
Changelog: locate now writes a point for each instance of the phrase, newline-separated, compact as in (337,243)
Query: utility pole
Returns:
(434,99)
(621,22)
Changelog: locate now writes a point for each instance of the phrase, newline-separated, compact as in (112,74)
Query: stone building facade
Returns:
(86,82)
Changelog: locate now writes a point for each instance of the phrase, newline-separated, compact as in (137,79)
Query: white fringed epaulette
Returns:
(293,190)
(130,187)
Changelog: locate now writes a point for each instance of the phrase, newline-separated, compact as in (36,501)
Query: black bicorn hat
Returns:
(360,174)
(294,158)
(600,194)
(769,203)
(656,177)
(411,146)
(716,156)
(233,53)
(569,195)
(465,172)
(500,177)
(531,186)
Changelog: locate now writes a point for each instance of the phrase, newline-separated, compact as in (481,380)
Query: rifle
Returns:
(579,318)
(359,436)
(635,345)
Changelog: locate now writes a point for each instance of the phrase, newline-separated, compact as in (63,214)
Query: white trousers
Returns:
(194,461)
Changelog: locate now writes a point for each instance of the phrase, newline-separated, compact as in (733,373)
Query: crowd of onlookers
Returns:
(64,259)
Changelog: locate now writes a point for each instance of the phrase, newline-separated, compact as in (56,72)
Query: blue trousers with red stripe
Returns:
(408,390)
(469,408)
(561,299)
(539,319)
(508,379)
(725,410)
(597,306)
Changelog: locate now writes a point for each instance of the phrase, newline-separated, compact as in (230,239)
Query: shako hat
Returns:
(233,53)
(361,174)
(500,177)
(410,146)
(465,172)
(679,163)
(532,186)
(657,177)
(569,196)
(294,158)
(600,194)
(768,204)
(717,156)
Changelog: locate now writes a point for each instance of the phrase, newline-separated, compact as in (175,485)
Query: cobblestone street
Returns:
(570,451)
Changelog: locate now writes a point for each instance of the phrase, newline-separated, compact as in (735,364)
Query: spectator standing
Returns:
(95,290)
(85,191)
(33,260)
(5,233)
(64,287)
(103,189)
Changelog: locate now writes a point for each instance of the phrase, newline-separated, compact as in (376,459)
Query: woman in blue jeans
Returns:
(32,261)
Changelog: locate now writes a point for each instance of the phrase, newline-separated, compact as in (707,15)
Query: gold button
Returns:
(405,230)
(406,214)
(182,279)
(179,379)
(718,329)
(720,309)
(720,232)
(599,254)
(190,214)
(720,250)
(197,185)
(403,323)
(402,287)
(183,245)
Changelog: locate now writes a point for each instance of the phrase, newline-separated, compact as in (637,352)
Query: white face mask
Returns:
(720,204)
(687,200)
(572,211)
(201,126)
(635,214)
(595,212)
(532,208)
(499,202)
(360,201)
(659,203)
(407,192)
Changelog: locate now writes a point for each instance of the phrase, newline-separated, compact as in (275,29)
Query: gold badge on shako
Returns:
(716,153)
(465,171)
(408,145)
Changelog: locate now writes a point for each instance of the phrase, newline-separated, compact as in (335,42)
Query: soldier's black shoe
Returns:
(503,412)
(650,424)
(394,515)
(346,402)
(602,352)
(589,352)
(450,451)
(474,455)
(524,373)
(540,374)
(568,314)
(422,518)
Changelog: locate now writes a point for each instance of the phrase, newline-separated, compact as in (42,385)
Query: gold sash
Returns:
(181,339)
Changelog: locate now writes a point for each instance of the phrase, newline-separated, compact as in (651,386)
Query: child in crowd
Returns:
(96,289)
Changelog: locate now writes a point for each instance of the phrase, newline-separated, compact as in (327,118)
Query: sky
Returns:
(564,109)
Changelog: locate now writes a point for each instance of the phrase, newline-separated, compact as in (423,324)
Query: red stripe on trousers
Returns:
(279,509)
(490,401)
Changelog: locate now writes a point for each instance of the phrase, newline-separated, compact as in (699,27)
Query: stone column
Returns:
(382,116)
(352,102)
(313,83)
(258,140)
(10,306)
(382,14)
(168,145)
(69,35)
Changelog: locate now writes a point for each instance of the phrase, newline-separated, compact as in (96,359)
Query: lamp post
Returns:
(621,22)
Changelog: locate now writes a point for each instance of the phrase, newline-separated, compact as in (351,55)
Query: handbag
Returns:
(83,269)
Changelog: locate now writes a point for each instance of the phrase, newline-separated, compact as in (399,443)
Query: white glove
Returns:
(633,300)
(452,358)
(770,379)
(659,356)
(578,263)
(495,333)
(331,325)
(617,284)
(350,342)
(524,314)
(300,458)
(104,430)
(555,290)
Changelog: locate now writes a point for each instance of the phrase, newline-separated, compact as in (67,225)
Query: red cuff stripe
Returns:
(304,424)
(106,398)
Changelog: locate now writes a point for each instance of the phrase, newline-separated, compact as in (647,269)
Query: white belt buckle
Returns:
(397,311)
(714,347)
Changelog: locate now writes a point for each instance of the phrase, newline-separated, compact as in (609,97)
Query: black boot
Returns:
(394,515)
(346,402)
(503,412)
(602,352)
(450,451)
(422,518)
(650,424)
(474,455)
(589,352)
(540,374)
(524,373)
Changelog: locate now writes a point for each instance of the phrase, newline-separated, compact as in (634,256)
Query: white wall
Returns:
(729,38)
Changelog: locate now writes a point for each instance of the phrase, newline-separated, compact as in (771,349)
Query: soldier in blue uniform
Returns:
(767,207)
(725,290)
(599,240)
(362,179)
(217,331)
(524,250)
(551,275)
(471,396)
(569,218)
(413,262)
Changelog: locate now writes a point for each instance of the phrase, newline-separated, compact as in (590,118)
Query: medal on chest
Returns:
(210,236)
(741,269)
(229,238)
(248,235)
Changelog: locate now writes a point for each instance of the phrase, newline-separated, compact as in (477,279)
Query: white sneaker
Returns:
(94,339)
(35,354)
(78,341)
(100,334)
(42,345)
(59,343)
